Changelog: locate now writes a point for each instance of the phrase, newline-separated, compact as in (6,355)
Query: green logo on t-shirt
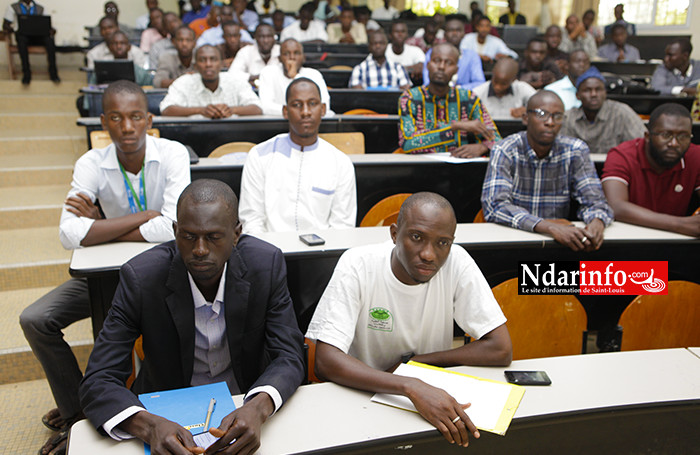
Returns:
(380,319)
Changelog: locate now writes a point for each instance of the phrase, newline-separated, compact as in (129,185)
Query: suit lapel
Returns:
(236,309)
(181,307)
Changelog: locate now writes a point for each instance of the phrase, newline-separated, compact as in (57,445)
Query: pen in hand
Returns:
(210,411)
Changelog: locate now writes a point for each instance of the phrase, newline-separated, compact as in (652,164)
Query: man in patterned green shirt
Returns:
(440,118)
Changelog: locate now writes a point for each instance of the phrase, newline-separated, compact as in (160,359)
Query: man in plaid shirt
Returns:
(533,174)
(440,118)
(376,71)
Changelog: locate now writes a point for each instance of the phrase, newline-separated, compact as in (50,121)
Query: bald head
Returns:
(543,97)
(505,68)
(208,191)
(446,48)
(425,199)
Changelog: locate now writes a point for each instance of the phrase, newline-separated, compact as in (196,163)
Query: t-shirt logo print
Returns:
(380,319)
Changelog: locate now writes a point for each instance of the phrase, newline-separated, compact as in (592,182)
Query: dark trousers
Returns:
(23,43)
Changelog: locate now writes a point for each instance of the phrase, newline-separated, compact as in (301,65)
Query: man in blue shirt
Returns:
(470,72)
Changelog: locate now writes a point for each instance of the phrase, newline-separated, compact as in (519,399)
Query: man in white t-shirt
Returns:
(410,57)
(390,303)
(297,181)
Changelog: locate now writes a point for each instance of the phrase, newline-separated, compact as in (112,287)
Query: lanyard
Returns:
(130,193)
(32,8)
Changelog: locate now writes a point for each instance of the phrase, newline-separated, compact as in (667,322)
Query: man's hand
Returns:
(440,409)
(594,233)
(568,235)
(347,38)
(242,425)
(473,126)
(211,111)
(164,436)
(690,91)
(291,68)
(470,151)
(518,112)
(81,205)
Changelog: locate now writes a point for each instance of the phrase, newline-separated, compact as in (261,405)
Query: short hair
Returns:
(450,46)
(156,9)
(185,27)
(588,11)
(227,24)
(571,55)
(552,27)
(106,18)
(540,96)
(298,81)
(484,17)
(456,17)
(309,7)
(119,87)
(618,26)
(684,43)
(208,46)
(111,37)
(536,39)
(421,199)
(291,40)
(372,33)
(397,22)
(263,25)
(362,10)
(669,109)
(206,191)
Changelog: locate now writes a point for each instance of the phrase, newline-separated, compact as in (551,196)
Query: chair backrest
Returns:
(232,147)
(100,138)
(348,143)
(310,361)
(479,218)
(360,111)
(384,212)
(663,321)
(542,325)
(341,67)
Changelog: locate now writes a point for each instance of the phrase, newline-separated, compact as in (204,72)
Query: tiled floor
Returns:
(21,407)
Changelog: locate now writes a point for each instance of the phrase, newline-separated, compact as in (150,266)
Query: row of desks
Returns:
(496,249)
(615,403)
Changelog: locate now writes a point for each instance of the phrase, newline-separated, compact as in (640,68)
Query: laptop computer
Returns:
(33,25)
(107,71)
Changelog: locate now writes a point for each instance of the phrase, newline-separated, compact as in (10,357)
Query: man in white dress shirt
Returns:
(137,180)
(505,97)
(274,79)
(250,60)
(306,29)
(296,181)
(209,92)
(101,52)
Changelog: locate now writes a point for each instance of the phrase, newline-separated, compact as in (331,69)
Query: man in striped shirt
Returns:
(533,175)
(440,118)
(376,71)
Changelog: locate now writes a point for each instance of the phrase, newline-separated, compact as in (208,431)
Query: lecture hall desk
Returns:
(619,403)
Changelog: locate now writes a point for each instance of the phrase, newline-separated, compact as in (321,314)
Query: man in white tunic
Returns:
(296,181)
(390,303)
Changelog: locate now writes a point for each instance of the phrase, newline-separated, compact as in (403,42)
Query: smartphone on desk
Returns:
(527,377)
(311,239)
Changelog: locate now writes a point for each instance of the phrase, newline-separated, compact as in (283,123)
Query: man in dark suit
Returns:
(211,306)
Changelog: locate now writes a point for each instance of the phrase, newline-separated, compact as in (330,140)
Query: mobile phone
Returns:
(311,239)
(527,377)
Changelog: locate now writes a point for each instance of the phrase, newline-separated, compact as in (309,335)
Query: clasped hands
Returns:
(476,127)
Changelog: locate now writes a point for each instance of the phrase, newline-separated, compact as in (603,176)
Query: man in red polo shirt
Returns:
(650,181)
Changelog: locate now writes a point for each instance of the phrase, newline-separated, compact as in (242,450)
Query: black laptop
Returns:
(107,71)
(33,25)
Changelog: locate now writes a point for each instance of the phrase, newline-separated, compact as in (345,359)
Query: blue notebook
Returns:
(189,406)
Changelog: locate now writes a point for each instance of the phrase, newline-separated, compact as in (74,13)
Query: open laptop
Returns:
(33,25)
(107,71)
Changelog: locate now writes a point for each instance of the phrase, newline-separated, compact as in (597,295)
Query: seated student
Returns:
(101,52)
(145,19)
(599,122)
(619,50)
(120,48)
(595,31)
(297,181)
(199,10)
(209,92)
(565,87)
(618,11)
(137,180)
(306,29)
(347,30)
(576,37)
(171,66)
(112,10)
(385,13)
(172,23)
(325,12)
(205,23)
(534,68)
(232,36)
(470,72)
(30,8)
(555,55)
(488,47)
(362,13)
(504,97)
(470,26)
(650,181)
(279,21)
(252,59)
(679,73)
(274,79)
(246,18)
(457,123)
(533,174)
(211,306)
(376,71)
(424,283)
(512,17)
(410,57)
(155,32)
(215,35)
(267,7)
(428,38)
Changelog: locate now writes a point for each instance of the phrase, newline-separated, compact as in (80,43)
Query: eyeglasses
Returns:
(557,117)
(665,136)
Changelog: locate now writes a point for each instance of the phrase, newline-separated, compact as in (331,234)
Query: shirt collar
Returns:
(111,161)
(198,298)
(689,71)
(204,89)
(307,148)
(509,91)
